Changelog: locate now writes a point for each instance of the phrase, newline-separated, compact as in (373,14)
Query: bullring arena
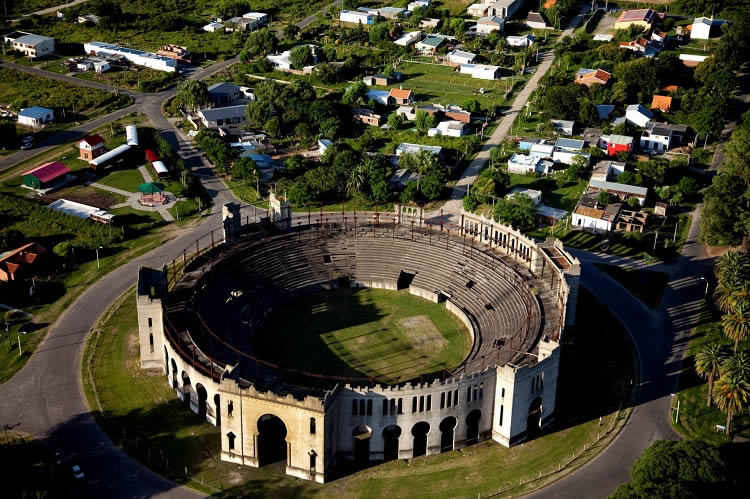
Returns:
(201,316)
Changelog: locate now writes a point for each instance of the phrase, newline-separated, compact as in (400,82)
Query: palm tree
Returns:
(733,274)
(355,181)
(731,395)
(708,362)
(728,295)
(738,363)
(736,322)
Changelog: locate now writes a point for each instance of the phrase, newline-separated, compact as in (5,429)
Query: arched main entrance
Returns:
(185,388)
(174,374)
(202,397)
(271,440)
(472,426)
(447,427)
(534,419)
(217,409)
(419,431)
(362,435)
(390,442)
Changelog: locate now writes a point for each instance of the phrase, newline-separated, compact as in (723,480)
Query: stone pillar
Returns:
(230,215)
(280,211)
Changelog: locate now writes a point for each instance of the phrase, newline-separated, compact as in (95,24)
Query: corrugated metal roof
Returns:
(615,186)
(49,171)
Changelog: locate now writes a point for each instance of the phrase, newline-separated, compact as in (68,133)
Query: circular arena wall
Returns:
(511,292)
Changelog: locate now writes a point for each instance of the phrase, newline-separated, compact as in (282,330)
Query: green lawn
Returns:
(697,420)
(387,335)
(127,180)
(647,285)
(142,79)
(143,416)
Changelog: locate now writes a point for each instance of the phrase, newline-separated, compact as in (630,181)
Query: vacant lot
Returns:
(388,335)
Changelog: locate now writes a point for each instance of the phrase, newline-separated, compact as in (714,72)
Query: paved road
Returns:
(50,10)
(452,208)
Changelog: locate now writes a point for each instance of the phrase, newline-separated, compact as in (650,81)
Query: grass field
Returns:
(387,335)
(127,179)
(165,436)
(442,84)
(697,420)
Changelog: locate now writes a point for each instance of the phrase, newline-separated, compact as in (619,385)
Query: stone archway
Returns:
(534,418)
(419,431)
(362,436)
(174,373)
(217,409)
(272,444)
(186,388)
(472,426)
(166,361)
(447,432)
(200,390)
(390,442)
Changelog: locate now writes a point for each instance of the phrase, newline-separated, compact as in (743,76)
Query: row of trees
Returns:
(728,374)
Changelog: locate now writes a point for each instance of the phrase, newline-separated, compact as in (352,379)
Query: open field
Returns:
(140,404)
(697,420)
(387,335)
(127,179)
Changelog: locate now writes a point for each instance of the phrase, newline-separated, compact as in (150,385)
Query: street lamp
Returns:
(97,257)
(705,293)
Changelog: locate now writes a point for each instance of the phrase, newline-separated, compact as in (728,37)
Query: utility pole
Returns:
(656,236)
(674,238)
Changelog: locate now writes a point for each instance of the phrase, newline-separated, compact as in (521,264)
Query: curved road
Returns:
(46,397)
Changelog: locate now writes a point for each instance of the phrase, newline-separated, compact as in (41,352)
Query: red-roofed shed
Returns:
(42,176)
(151,156)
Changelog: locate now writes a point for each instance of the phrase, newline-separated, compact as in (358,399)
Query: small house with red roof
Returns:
(46,175)
(590,77)
(16,263)
(91,147)
(401,96)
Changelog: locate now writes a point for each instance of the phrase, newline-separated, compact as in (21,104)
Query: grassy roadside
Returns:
(165,436)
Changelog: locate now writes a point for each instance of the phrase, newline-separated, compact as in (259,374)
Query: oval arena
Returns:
(199,317)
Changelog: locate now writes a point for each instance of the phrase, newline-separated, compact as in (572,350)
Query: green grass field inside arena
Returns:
(391,336)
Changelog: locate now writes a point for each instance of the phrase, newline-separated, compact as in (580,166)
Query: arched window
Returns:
(354,407)
(413,405)
(312,426)
(400,406)
(230,439)
(385,407)
(361,407)
(442,400)
(230,408)
(429,402)
(369,407)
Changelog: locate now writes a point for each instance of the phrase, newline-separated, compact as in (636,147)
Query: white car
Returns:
(26,145)
(77,472)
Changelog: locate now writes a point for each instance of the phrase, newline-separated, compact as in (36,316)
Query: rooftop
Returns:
(32,39)
(48,171)
(93,140)
(432,40)
(569,143)
(34,112)
(401,93)
(490,20)
(222,113)
(413,148)
(461,53)
(620,139)
(635,15)
(616,186)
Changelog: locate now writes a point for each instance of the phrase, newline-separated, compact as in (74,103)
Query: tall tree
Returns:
(301,56)
(737,364)
(736,322)
(192,94)
(519,211)
(731,395)
(708,362)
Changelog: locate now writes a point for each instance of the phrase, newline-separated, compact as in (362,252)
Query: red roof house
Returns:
(618,143)
(41,176)
(593,77)
(91,147)
(402,96)
(151,156)
(15,263)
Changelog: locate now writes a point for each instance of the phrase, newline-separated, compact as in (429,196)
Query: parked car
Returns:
(77,472)
(27,145)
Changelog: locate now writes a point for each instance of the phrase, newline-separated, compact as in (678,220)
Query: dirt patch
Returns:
(86,195)
(422,333)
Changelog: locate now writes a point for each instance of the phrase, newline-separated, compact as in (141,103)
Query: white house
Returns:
(407,148)
(430,44)
(542,150)
(638,115)
(417,4)
(135,56)
(503,8)
(477,9)
(323,145)
(283,61)
(603,37)
(563,127)
(488,24)
(35,116)
(221,116)
(521,41)
(656,137)
(213,27)
(481,71)
(567,157)
(692,60)
(461,57)
(408,38)
(449,128)
(535,195)
(260,18)
(34,45)
(588,215)
(701,28)
(535,20)
(622,191)
(521,163)
(356,17)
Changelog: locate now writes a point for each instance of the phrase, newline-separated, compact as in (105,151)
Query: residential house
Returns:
(588,215)
(692,60)
(222,116)
(638,115)
(593,136)
(381,80)
(381,97)
(644,18)
(408,113)
(622,191)
(477,10)
(604,110)
(408,38)
(572,145)
(642,46)
(240,24)
(590,77)
(407,148)
(283,61)
(260,18)
(632,221)
(657,137)
(617,143)
(390,12)
(605,170)
(661,102)
(603,37)
(134,56)
(34,45)
(224,93)
(461,57)
(535,20)
(213,27)
(659,36)
(563,127)
(457,113)
(367,117)
(45,176)
(449,128)
(401,96)
(522,164)
(430,44)
(567,157)
(525,143)
(480,71)
(35,116)
(534,195)
(671,88)
(91,147)
(542,150)
(503,8)
(488,24)
(323,145)
(704,27)
(417,4)
(521,41)
(430,23)
(400,178)
(20,262)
